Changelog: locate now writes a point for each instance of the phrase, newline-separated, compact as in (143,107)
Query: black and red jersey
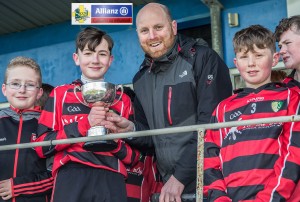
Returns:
(255,162)
(143,179)
(30,179)
(291,82)
(295,85)
(65,116)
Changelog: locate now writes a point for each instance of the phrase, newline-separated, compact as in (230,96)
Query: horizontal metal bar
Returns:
(153,132)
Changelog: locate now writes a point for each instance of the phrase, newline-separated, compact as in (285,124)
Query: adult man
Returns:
(179,84)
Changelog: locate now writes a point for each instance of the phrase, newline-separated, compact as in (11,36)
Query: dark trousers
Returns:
(81,183)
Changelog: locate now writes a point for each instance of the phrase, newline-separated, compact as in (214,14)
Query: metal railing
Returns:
(200,148)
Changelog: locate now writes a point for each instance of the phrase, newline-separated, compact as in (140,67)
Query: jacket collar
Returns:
(15,113)
(246,91)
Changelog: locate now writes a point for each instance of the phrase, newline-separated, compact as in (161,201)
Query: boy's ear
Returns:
(276,57)
(76,59)
(4,89)
(111,60)
(234,61)
(40,93)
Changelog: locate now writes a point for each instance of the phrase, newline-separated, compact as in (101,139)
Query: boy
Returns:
(82,175)
(287,35)
(255,162)
(24,177)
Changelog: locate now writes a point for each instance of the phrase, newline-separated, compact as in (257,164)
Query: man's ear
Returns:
(174,27)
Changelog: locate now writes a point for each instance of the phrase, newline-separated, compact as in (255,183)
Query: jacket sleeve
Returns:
(212,85)
(140,122)
(287,168)
(51,126)
(126,154)
(214,185)
(33,185)
(212,82)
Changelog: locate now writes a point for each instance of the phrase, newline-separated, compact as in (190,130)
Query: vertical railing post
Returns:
(200,165)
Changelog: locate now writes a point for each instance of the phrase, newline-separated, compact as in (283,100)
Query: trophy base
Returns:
(100,145)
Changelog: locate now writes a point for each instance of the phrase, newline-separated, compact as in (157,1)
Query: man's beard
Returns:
(166,47)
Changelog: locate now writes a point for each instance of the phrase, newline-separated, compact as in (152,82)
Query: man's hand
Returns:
(171,191)
(117,124)
(5,189)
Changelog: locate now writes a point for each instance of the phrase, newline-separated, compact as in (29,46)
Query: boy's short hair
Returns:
(254,35)
(92,37)
(27,62)
(292,23)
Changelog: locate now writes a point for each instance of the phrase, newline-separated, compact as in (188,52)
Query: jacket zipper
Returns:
(17,150)
(169,105)
(151,64)
(18,142)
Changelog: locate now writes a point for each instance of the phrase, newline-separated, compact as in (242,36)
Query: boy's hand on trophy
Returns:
(97,115)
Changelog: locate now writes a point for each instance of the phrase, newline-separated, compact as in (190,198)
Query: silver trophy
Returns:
(99,92)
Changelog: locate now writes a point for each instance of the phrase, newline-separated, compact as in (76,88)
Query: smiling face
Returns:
(94,64)
(155,30)
(255,66)
(289,45)
(22,98)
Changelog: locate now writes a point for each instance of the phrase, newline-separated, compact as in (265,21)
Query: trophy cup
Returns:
(99,92)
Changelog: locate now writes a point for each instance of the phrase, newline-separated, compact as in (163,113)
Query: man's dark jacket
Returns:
(181,88)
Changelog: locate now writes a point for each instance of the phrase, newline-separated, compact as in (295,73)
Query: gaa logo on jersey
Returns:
(276,105)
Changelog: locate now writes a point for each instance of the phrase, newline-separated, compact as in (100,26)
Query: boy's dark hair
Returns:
(27,62)
(92,37)
(292,23)
(47,88)
(254,35)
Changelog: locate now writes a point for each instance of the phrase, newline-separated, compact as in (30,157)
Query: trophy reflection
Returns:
(99,92)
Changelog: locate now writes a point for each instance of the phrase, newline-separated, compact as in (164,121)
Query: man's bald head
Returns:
(154,6)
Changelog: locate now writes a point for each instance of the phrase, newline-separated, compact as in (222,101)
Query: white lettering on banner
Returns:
(107,11)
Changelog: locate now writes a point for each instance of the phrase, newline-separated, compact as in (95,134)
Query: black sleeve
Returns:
(39,183)
(212,80)
(213,85)
(140,122)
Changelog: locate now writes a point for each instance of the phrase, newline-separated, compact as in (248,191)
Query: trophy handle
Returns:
(120,97)
(75,93)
